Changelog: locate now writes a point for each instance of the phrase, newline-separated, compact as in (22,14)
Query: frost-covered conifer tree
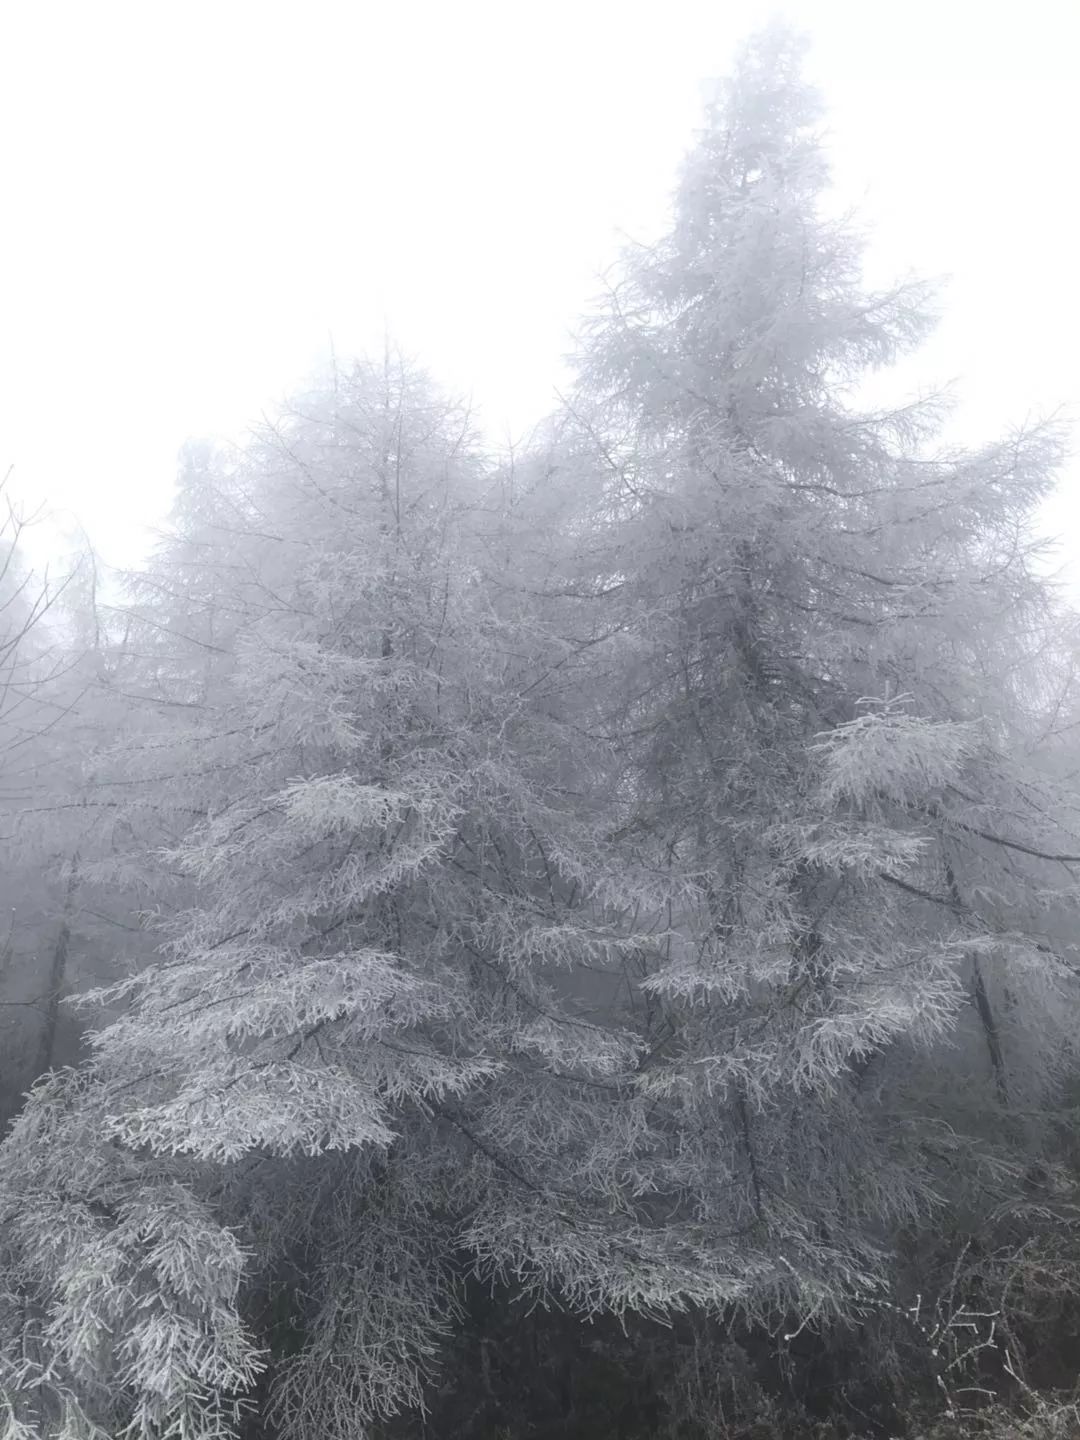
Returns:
(835,686)
(378,847)
(45,673)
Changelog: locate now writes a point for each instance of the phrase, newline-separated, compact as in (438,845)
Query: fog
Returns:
(539,733)
(200,201)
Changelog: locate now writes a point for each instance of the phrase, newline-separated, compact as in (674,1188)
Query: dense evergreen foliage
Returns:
(579,946)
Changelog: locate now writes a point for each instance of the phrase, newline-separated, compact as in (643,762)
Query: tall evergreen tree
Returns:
(839,668)
(363,912)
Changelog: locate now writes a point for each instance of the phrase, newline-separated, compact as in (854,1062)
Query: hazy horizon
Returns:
(200,203)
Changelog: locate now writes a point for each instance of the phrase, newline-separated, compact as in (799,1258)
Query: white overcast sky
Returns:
(197,195)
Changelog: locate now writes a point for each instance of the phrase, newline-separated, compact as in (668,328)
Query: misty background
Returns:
(200,200)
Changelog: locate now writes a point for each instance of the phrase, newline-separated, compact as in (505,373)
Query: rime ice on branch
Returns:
(573,868)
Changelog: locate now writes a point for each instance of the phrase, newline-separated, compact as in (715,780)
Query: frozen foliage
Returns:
(568,873)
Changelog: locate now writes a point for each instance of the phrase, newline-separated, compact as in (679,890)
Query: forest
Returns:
(580,941)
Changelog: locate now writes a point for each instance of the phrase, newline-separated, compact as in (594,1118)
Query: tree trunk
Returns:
(46,1052)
